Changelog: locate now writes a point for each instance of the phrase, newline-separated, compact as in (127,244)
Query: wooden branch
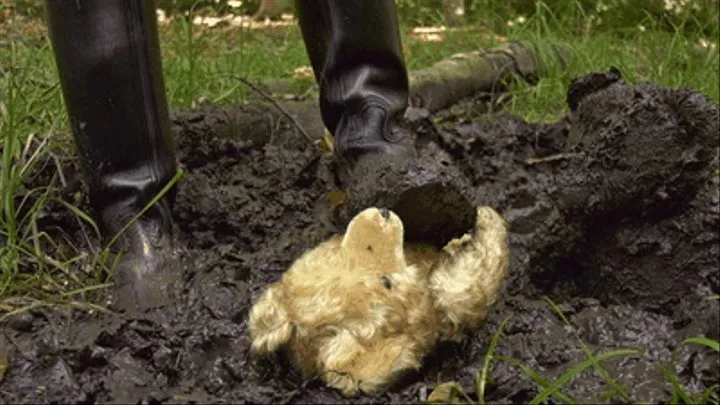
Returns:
(466,74)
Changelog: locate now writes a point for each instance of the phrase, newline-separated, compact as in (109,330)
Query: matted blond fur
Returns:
(359,309)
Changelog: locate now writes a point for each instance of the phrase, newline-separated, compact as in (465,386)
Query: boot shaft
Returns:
(110,70)
(356,54)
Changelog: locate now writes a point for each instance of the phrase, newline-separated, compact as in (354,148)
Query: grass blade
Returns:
(557,384)
(705,396)
(699,340)
(78,212)
(481,383)
(85,289)
(537,379)
(678,390)
(178,175)
(618,389)
(557,310)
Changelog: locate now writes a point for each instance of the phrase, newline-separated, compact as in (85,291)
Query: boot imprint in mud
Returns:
(363,308)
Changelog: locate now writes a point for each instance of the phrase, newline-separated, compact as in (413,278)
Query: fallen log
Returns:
(484,71)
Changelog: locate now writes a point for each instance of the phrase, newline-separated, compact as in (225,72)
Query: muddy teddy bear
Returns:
(362,308)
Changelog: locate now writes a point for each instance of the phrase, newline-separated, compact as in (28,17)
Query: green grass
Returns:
(199,64)
(452,392)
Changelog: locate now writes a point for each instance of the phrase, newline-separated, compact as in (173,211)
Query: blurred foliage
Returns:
(173,7)
(30,8)
(34,8)
(621,16)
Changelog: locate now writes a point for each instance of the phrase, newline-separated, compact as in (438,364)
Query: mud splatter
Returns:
(614,212)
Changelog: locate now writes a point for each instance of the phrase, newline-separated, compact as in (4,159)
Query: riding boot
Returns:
(356,54)
(108,60)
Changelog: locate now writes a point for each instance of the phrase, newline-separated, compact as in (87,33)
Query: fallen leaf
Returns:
(429,34)
(336,198)
(49,288)
(326,144)
(303,72)
(446,393)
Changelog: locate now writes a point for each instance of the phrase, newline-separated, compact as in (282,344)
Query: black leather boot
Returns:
(108,60)
(356,54)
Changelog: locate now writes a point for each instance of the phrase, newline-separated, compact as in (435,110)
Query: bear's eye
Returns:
(385,280)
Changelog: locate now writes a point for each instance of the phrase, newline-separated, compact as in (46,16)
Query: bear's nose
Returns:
(385,212)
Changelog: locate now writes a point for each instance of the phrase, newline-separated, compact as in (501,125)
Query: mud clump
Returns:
(430,194)
(614,212)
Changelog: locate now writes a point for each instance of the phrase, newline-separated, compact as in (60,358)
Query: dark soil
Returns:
(617,223)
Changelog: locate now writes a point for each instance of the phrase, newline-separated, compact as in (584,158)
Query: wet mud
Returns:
(614,214)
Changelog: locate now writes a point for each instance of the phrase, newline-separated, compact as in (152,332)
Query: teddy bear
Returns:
(361,309)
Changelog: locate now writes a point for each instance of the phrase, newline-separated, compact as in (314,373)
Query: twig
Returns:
(276,104)
(20,350)
(551,158)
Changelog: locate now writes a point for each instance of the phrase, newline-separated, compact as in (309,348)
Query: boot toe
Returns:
(428,193)
(146,271)
(143,283)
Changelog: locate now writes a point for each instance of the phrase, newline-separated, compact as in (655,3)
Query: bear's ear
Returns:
(270,326)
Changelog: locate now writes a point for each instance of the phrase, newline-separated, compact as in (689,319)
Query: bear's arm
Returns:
(466,282)
(270,325)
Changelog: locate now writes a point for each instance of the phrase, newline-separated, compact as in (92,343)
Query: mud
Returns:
(614,212)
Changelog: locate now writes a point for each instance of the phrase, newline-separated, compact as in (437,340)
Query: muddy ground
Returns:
(618,225)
